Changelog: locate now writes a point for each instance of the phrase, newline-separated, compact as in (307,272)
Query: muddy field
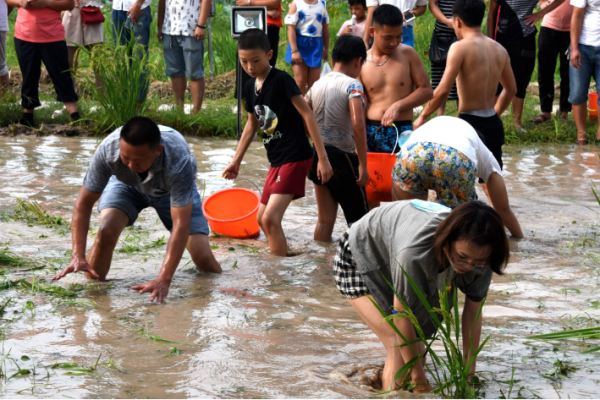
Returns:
(273,327)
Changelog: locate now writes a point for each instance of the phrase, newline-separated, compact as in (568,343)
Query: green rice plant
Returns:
(33,213)
(580,334)
(174,352)
(450,373)
(146,333)
(11,259)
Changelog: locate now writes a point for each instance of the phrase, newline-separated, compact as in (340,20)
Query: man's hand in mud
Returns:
(231,172)
(78,264)
(363,176)
(324,171)
(159,289)
(418,122)
(390,115)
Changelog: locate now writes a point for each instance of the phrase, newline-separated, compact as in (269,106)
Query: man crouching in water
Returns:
(141,165)
(395,82)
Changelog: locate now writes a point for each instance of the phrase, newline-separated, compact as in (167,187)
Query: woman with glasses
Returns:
(446,155)
(439,249)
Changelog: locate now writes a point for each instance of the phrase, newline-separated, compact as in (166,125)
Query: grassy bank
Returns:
(218,117)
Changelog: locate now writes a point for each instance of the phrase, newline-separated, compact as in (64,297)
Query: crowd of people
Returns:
(362,106)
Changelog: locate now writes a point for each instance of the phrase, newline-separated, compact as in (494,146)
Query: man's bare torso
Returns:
(388,83)
(482,63)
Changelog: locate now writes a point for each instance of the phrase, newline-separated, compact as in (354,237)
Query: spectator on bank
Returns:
(416,7)
(79,33)
(4,13)
(585,60)
(512,24)
(131,24)
(182,29)
(553,43)
(356,25)
(274,24)
(40,37)
(444,36)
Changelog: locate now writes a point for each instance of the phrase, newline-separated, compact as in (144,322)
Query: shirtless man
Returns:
(395,82)
(477,63)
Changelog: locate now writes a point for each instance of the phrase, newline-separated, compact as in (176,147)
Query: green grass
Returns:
(217,119)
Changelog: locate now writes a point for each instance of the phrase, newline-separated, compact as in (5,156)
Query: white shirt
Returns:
(309,18)
(590,32)
(3,16)
(125,5)
(88,3)
(181,17)
(403,5)
(459,135)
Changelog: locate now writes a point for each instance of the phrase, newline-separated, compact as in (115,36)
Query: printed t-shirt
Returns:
(309,18)
(397,236)
(403,5)
(173,172)
(460,135)
(39,25)
(590,31)
(3,16)
(281,124)
(359,28)
(330,97)
(512,26)
(181,17)
(275,21)
(560,18)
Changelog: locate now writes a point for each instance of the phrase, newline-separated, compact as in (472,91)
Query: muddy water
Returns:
(273,327)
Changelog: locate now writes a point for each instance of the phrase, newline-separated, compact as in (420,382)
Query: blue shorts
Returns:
(131,201)
(184,56)
(310,48)
(579,79)
(382,139)
(408,36)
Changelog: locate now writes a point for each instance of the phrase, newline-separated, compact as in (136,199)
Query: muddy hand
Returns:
(77,265)
(159,289)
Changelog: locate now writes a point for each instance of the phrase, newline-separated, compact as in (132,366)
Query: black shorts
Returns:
(522,62)
(491,131)
(342,185)
(55,58)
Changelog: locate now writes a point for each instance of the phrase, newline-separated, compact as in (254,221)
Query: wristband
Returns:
(297,51)
(201,26)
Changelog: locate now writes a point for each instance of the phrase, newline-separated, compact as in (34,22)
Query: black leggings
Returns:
(522,62)
(553,45)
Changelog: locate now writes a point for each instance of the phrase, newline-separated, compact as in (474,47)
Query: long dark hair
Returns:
(480,225)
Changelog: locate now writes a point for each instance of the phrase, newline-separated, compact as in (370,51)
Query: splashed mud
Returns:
(269,326)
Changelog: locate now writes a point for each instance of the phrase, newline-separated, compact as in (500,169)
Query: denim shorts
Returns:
(579,79)
(131,201)
(408,36)
(184,56)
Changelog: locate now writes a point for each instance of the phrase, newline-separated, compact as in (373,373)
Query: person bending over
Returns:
(446,155)
(275,104)
(141,165)
(435,247)
(338,102)
(478,64)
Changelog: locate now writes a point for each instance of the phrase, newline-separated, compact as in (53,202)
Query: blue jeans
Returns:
(131,201)
(408,36)
(184,56)
(124,32)
(579,78)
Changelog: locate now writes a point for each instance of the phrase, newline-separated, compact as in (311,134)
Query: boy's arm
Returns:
(357,116)
(233,169)
(441,93)
(368,23)
(421,95)
(160,20)
(324,171)
(576,27)
(509,88)
(325,41)
(491,19)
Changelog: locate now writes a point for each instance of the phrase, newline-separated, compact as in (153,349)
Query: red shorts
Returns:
(287,179)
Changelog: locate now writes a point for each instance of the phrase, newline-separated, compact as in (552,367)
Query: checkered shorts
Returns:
(346,275)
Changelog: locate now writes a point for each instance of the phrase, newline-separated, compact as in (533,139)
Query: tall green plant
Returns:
(123,71)
(450,373)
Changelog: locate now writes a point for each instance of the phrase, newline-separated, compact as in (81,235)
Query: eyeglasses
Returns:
(468,264)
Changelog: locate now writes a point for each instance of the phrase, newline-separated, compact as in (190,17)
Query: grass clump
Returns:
(33,213)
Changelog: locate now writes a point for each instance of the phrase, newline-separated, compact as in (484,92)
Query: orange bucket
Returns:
(233,212)
(593,106)
(380,166)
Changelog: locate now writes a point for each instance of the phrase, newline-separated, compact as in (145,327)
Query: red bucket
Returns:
(380,166)
(593,106)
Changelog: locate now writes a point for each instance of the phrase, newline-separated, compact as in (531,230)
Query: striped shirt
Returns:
(518,9)
(442,29)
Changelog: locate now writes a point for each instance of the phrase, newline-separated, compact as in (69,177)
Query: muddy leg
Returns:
(328,208)
(269,219)
(112,223)
(199,249)
(300,76)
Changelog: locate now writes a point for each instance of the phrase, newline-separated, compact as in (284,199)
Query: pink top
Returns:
(560,18)
(39,25)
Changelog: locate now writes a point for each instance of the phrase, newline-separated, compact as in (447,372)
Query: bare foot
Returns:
(210,266)
(293,253)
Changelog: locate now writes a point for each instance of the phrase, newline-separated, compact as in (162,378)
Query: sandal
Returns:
(582,142)
(424,388)
(540,119)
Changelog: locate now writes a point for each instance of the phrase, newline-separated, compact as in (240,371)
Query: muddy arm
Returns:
(471,331)
(499,199)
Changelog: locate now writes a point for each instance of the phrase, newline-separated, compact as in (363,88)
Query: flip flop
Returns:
(540,119)
(582,142)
